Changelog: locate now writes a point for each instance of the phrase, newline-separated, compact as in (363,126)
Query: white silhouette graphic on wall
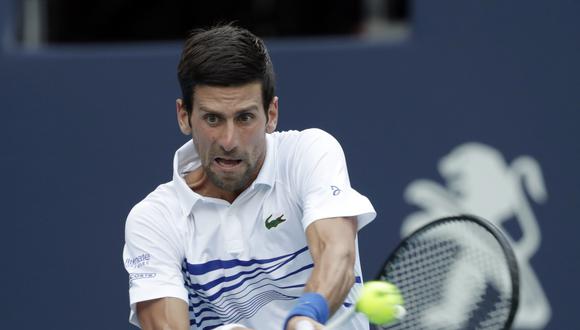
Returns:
(479,181)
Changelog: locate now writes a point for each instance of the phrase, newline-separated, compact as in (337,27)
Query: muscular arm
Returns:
(332,246)
(163,314)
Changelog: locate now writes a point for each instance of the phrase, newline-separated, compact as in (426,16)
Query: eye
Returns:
(245,117)
(211,119)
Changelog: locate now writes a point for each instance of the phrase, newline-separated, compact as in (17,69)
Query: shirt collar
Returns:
(267,174)
(186,159)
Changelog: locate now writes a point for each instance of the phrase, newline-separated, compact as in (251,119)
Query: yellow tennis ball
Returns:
(381,302)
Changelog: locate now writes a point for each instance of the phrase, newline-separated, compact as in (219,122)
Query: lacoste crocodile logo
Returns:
(273,223)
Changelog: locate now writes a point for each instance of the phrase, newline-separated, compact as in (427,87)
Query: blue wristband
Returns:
(312,305)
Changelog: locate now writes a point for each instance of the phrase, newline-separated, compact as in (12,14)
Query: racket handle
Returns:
(340,320)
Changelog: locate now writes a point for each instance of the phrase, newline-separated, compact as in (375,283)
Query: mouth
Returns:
(227,163)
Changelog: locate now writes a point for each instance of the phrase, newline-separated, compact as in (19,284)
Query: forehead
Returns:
(220,97)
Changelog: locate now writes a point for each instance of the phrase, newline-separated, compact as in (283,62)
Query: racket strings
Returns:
(452,276)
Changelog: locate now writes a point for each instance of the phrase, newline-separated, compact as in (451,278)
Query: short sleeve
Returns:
(152,256)
(324,188)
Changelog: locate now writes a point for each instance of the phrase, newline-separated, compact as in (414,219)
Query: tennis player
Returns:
(257,229)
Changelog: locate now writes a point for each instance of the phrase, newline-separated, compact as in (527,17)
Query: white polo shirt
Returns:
(244,262)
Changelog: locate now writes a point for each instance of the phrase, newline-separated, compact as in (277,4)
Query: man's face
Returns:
(228,128)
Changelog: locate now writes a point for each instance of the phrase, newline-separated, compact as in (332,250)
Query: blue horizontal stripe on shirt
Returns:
(222,309)
(241,310)
(254,308)
(207,286)
(223,290)
(201,302)
(194,322)
(200,269)
(212,327)
(245,310)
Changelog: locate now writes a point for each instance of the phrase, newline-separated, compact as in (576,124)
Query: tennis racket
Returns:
(457,272)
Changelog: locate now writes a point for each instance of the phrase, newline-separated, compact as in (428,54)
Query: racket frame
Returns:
(493,230)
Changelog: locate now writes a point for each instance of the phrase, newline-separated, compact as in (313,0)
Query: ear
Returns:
(182,117)
(272,116)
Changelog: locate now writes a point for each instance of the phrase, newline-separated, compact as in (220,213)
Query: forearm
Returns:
(333,274)
(332,246)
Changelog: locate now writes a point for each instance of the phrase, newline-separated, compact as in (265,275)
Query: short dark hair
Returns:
(224,56)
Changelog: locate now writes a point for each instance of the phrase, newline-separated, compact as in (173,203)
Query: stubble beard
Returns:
(234,184)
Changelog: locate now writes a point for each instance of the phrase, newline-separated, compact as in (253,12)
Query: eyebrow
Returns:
(246,109)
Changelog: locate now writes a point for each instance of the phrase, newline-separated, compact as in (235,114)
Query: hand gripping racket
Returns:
(457,272)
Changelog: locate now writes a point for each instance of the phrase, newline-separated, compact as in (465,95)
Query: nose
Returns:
(228,139)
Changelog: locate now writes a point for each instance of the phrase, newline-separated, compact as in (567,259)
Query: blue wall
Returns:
(88,131)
